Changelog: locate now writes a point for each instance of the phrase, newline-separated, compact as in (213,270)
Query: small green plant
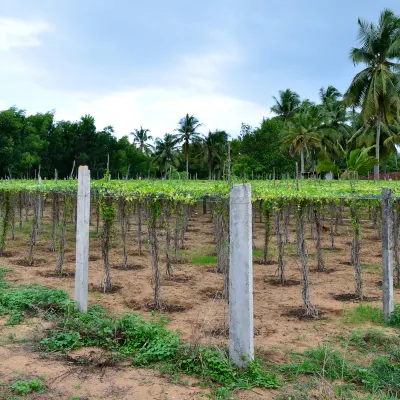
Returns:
(364,313)
(23,388)
(203,260)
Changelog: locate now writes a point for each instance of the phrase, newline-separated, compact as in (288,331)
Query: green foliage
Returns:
(202,260)
(213,363)
(367,313)
(18,302)
(364,313)
(23,388)
(381,376)
(260,151)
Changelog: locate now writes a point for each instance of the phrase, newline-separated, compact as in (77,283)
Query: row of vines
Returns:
(162,220)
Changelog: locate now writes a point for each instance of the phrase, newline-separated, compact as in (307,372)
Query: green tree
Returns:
(287,105)
(258,151)
(376,88)
(166,154)
(215,145)
(187,133)
(141,137)
(303,133)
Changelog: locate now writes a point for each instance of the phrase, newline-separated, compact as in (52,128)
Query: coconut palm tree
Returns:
(166,154)
(330,94)
(287,105)
(187,133)
(215,144)
(303,133)
(376,88)
(141,137)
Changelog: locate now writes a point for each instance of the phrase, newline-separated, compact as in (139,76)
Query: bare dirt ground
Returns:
(199,313)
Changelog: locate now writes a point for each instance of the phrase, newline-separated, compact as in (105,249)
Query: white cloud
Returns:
(19,33)
(196,91)
(160,109)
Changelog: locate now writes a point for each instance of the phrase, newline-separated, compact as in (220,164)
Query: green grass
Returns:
(147,342)
(373,269)
(364,313)
(144,342)
(203,260)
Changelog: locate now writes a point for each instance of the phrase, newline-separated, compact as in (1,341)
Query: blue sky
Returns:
(131,63)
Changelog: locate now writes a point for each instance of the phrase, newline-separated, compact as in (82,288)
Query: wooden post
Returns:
(387,253)
(241,329)
(82,239)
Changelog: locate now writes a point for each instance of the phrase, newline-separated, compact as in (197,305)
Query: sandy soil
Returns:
(201,316)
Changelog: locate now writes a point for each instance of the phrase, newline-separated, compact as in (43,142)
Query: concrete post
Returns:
(82,239)
(241,330)
(387,253)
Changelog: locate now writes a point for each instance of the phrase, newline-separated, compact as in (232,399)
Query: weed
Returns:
(204,260)
(22,388)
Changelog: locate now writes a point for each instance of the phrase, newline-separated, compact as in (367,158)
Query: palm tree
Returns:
(357,161)
(330,94)
(166,154)
(141,137)
(187,133)
(215,146)
(287,105)
(303,132)
(376,88)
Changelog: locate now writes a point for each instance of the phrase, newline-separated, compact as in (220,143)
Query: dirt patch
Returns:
(213,271)
(23,262)
(351,297)
(181,261)
(168,308)
(213,293)
(53,274)
(268,262)
(331,248)
(200,294)
(223,331)
(347,263)
(288,282)
(143,253)
(99,289)
(133,304)
(177,279)
(326,271)
(130,267)
(299,313)
(8,254)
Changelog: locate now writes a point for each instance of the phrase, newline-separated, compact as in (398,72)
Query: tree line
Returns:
(351,133)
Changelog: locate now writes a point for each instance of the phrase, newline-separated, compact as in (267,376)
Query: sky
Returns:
(135,63)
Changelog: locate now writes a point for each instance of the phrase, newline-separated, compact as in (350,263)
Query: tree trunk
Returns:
(310,310)
(176,235)
(187,157)
(318,232)
(108,213)
(302,163)
(167,222)
(355,251)
(378,136)
(153,241)
(267,222)
(139,224)
(280,245)
(60,235)
(124,228)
